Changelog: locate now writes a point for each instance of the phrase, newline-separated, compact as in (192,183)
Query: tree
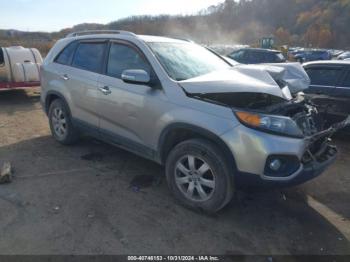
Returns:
(319,23)
(283,36)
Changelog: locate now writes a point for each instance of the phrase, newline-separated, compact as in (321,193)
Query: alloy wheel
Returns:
(59,122)
(195,178)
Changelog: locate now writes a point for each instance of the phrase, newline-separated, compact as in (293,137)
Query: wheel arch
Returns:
(53,95)
(176,133)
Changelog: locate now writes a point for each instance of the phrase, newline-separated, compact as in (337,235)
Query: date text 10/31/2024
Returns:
(173,258)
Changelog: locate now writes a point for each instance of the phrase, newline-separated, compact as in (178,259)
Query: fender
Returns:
(49,94)
(202,133)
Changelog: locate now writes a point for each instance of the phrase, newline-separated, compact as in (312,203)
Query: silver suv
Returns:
(215,127)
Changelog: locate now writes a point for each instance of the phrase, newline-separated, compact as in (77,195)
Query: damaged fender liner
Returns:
(318,145)
(328,132)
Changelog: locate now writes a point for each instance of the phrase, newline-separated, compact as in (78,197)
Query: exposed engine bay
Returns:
(275,90)
(272,94)
(302,111)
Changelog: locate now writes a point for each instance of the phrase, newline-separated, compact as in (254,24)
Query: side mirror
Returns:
(136,76)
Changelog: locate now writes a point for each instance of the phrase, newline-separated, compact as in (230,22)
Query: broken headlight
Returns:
(270,123)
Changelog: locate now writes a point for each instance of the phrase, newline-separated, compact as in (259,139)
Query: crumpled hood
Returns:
(233,80)
(251,79)
(293,74)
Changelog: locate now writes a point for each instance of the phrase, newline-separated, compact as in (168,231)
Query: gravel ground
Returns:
(95,199)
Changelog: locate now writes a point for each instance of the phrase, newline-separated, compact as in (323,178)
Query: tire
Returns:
(61,125)
(188,181)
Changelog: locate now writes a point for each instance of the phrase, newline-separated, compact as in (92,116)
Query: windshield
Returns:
(183,61)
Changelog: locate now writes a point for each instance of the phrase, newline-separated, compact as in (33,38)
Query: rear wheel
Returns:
(61,125)
(198,175)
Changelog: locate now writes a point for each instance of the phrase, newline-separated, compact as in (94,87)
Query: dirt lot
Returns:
(83,200)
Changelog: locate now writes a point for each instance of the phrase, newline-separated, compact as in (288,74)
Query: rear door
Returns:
(86,66)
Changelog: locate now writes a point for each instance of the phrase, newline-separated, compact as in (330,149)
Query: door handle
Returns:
(65,77)
(105,90)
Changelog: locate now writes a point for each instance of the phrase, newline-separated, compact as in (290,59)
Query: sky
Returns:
(54,15)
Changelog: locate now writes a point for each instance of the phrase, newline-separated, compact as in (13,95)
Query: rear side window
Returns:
(323,76)
(89,56)
(269,58)
(265,57)
(123,57)
(255,57)
(65,57)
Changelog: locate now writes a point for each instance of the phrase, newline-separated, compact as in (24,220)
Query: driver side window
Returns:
(123,57)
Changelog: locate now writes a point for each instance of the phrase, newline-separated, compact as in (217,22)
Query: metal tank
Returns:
(19,67)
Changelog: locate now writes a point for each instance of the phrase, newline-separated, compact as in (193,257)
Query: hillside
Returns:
(316,23)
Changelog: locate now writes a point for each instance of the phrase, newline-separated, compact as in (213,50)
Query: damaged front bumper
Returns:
(306,172)
(304,159)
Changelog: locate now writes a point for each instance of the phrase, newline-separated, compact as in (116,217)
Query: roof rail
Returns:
(92,32)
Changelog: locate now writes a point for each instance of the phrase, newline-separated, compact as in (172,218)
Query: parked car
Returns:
(312,55)
(344,56)
(257,56)
(293,51)
(335,52)
(214,127)
(330,88)
(19,67)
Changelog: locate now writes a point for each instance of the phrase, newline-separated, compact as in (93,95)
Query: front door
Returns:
(127,111)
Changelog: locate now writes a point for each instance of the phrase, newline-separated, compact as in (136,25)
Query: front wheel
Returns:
(199,176)
(61,125)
